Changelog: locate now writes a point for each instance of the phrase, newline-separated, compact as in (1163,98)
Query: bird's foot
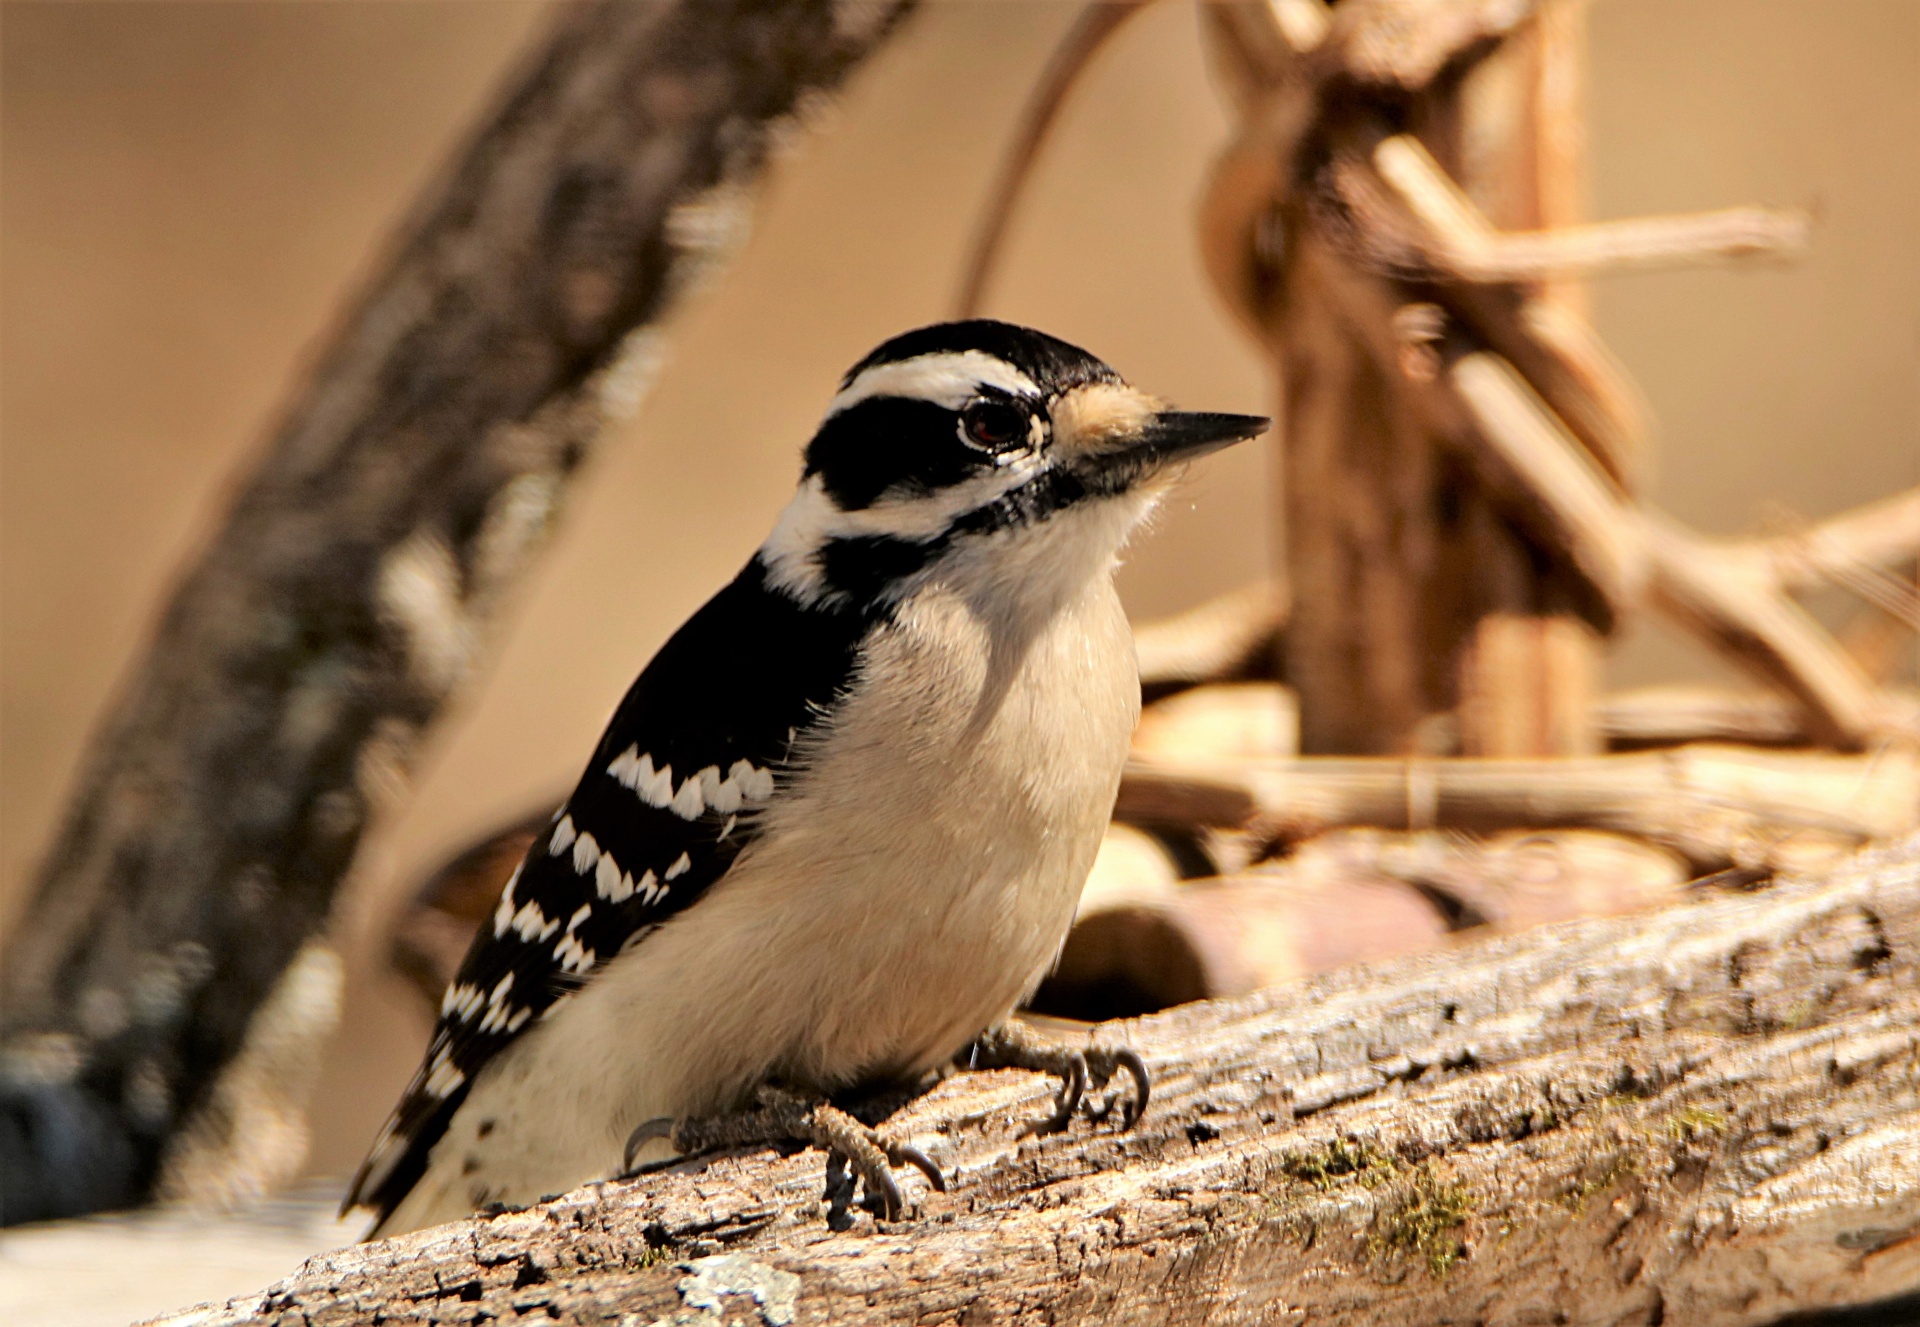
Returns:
(1015,1045)
(783,1116)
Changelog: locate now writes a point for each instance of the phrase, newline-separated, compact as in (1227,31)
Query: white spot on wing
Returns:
(680,867)
(756,785)
(443,1078)
(533,924)
(626,767)
(497,1006)
(688,803)
(563,836)
(610,882)
(460,1001)
(723,795)
(503,912)
(572,955)
(586,851)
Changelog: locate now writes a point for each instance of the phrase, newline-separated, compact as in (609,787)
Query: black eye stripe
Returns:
(885,443)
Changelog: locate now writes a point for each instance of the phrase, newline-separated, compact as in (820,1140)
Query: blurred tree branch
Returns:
(350,589)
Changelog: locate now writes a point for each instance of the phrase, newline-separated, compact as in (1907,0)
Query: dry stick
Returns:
(1879,534)
(1466,247)
(1714,804)
(1705,1114)
(350,588)
(1070,59)
(1726,596)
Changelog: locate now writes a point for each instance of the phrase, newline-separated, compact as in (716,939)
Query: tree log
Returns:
(352,584)
(1707,1114)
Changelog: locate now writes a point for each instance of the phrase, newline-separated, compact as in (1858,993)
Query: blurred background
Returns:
(191,189)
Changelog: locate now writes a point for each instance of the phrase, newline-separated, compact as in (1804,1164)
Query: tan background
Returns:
(186,189)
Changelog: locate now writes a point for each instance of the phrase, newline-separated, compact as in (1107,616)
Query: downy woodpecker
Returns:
(837,828)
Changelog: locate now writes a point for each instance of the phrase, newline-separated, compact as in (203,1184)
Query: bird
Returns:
(835,832)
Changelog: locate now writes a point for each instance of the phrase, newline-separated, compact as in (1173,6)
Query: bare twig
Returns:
(1732,594)
(1461,245)
(1070,59)
(1717,805)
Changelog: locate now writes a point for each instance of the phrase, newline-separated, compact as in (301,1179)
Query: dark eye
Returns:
(994,425)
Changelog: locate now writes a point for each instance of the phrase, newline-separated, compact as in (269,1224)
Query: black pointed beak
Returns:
(1181,435)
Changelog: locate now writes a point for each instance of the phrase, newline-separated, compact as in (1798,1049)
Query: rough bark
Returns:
(349,589)
(1708,1114)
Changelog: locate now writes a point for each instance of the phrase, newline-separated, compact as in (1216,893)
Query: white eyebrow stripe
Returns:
(948,378)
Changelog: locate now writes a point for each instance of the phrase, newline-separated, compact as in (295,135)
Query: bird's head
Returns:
(974,440)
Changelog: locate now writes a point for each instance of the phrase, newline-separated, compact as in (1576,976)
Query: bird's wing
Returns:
(701,739)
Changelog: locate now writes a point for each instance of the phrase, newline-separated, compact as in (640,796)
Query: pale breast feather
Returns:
(668,801)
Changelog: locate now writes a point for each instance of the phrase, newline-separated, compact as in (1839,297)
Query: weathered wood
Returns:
(351,586)
(1707,1114)
(1394,552)
(1716,805)
(1527,687)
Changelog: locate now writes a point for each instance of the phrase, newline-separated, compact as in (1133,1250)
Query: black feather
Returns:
(748,673)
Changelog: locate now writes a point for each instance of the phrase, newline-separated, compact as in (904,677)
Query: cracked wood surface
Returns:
(1708,1114)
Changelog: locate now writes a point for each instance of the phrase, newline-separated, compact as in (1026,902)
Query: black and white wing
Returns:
(701,739)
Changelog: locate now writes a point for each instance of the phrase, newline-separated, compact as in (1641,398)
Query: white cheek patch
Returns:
(812,520)
(948,378)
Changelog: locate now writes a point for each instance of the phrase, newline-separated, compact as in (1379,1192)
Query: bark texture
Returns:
(349,590)
(1708,1114)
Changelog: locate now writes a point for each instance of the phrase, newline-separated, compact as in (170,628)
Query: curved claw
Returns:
(892,1204)
(1072,1088)
(909,1155)
(646,1133)
(1129,1059)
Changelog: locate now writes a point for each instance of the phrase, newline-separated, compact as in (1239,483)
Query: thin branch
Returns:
(1464,246)
(1716,805)
(1070,59)
(1724,593)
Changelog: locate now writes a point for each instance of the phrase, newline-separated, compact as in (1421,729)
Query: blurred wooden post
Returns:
(1528,683)
(1410,587)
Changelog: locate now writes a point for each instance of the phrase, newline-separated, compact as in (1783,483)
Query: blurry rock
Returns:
(1227,721)
(1144,941)
(1130,955)
(1510,880)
